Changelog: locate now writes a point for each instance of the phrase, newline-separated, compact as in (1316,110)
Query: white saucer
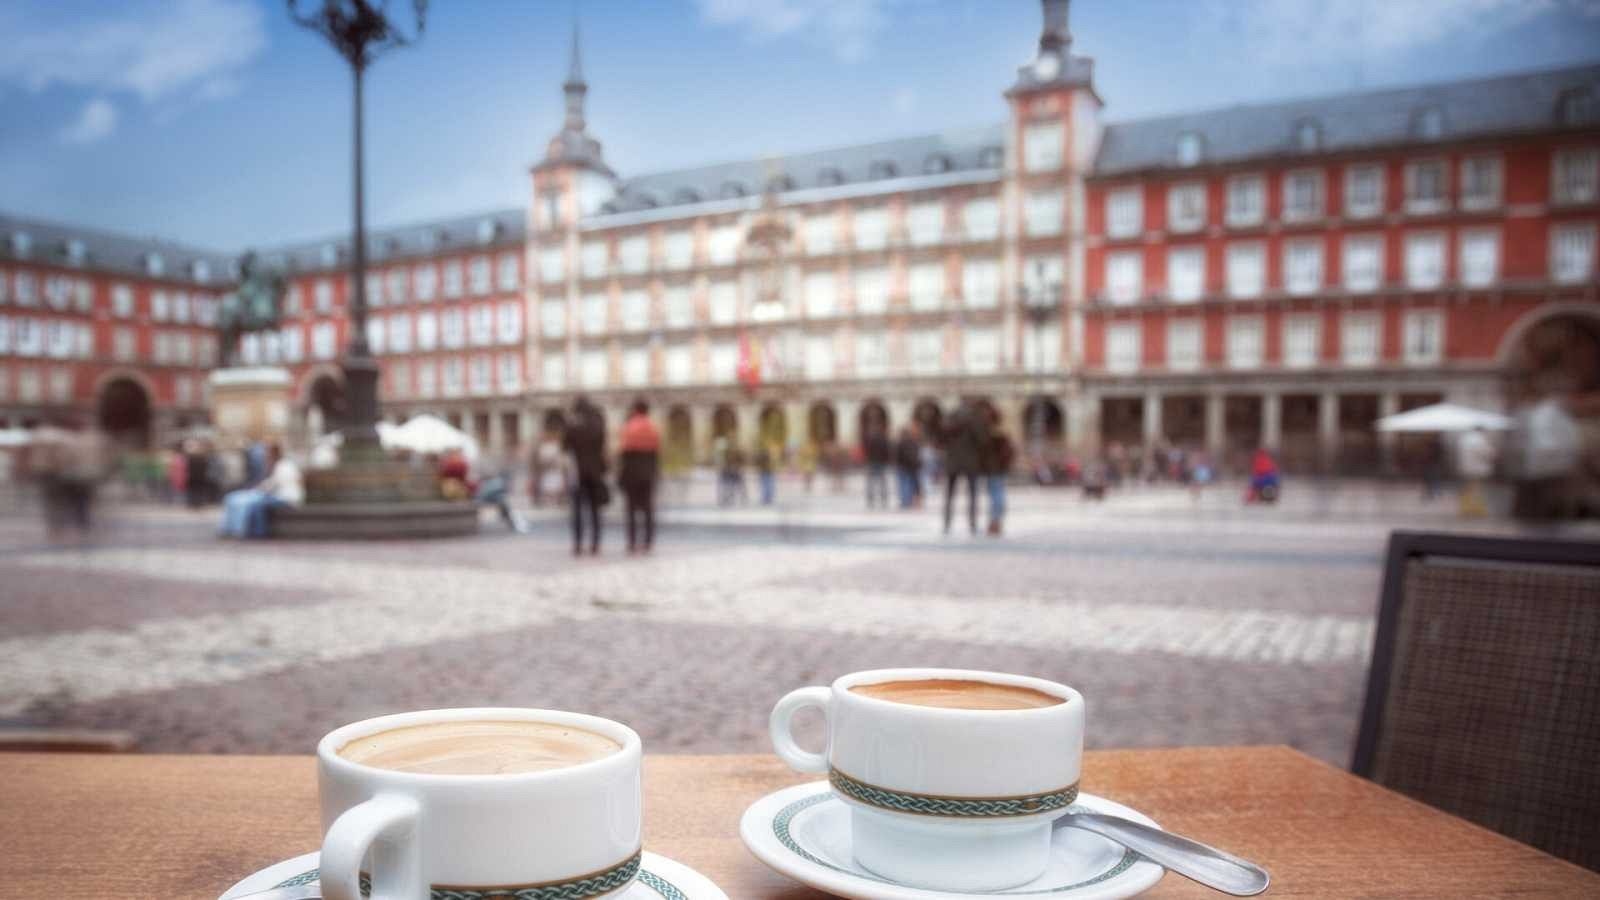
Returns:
(804,832)
(659,879)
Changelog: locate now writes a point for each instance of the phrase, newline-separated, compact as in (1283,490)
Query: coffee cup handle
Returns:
(783,743)
(386,824)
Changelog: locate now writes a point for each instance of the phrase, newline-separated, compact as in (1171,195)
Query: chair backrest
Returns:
(1483,697)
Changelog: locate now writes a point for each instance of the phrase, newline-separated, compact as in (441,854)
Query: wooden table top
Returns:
(137,826)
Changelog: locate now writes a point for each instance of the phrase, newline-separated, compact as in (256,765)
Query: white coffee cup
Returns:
(944,798)
(413,833)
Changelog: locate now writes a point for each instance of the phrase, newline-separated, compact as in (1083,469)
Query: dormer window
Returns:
(76,253)
(991,157)
(154,265)
(1428,124)
(881,168)
(647,201)
(329,255)
(608,207)
(200,271)
(429,241)
(488,230)
(935,164)
(686,195)
(1576,107)
(21,243)
(1307,136)
(732,190)
(830,177)
(780,183)
(1189,149)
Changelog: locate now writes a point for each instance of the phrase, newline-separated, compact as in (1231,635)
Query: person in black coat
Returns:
(585,443)
(908,467)
(877,452)
(967,440)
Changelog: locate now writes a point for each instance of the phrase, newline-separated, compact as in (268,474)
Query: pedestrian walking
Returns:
(638,474)
(765,473)
(733,487)
(907,464)
(585,445)
(968,436)
(878,454)
(1001,454)
(806,461)
(1265,482)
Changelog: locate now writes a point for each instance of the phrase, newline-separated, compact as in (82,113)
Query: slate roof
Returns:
(479,231)
(1510,104)
(104,251)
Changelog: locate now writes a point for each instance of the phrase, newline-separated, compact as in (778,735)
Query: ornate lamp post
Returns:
(1040,302)
(360,32)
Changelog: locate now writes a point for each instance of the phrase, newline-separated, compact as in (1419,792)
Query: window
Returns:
(724,362)
(160,306)
(427,380)
(871,228)
(1307,137)
(1183,345)
(377,335)
(821,297)
(1246,342)
(553,371)
(399,378)
(724,245)
(1247,201)
(980,350)
(1189,149)
(507,278)
(452,279)
(925,224)
(680,364)
(592,314)
(205,311)
(482,372)
(1125,276)
(1246,270)
(122,301)
(453,377)
(1360,337)
(58,338)
(28,385)
(82,296)
(635,253)
(1042,146)
(872,290)
(1363,191)
(1423,336)
(508,322)
(1302,196)
(679,249)
(592,257)
(1424,260)
(1571,253)
(397,286)
(452,329)
(552,264)
(1480,257)
(680,306)
(124,344)
(57,292)
(1363,262)
(1429,124)
(1125,212)
(819,357)
(1186,274)
(594,368)
(322,295)
(1042,274)
(28,337)
(322,340)
(1041,347)
(427,331)
(1480,182)
(1302,340)
(635,310)
(1426,186)
(61,385)
(980,219)
(636,366)
(482,324)
(374,283)
(480,275)
(425,282)
(724,298)
(980,283)
(1124,346)
(1041,213)
(872,354)
(25,290)
(553,318)
(292,341)
(1186,207)
(1302,266)
(927,286)
(927,351)
(6,342)
(1575,176)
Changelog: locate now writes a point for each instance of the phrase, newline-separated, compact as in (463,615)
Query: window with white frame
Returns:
(679,302)
(1041,213)
(25,292)
(1363,191)
(58,338)
(592,313)
(1125,276)
(819,357)
(510,375)
(452,279)
(452,329)
(1246,342)
(1042,144)
(399,378)
(122,301)
(724,245)
(925,223)
(553,372)
(322,296)
(635,310)
(57,291)
(980,283)
(183,390)
(506,275)
(1302,340)
(5,287)
(1186,207)
(1125,212)
(636,366)
(872,290)
(1363,262)
(594,368)
(593,257)
(1186,274)
(1043,273)
(1479,262)
(1576,176)
(819,233)
(1424,260)
(724,302)
(1302,195)
(322,340)
(680,364)
(291,339)
(1480,182)
(481,324)
(927,351)
(821,296)
(183,347)
(425,282)
(427,330)
(205,311)
(1423,336)
(160,306)
(634,251)
(28,337)
(553,318)
(1360,338)
(1247,269)
(82,296)
(481,282)
(400,333)
(61,385)
(872,354)
(980,350)
(552,264)
(980,219)
(1302,266)
(1183,344)
(396,286)
(927,286)
(453,377)
(1124,346)
(374,283)
(1041,347)
(508,321)
(1189,149)
(1427,186)
(871,227)
(1572,252)
(124,344)
(1247,201)
(29,387)
(427,380)
(678,249)
(724,362)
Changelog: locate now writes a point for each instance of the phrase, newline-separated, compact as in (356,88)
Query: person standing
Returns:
(640,470)
(998,459)
(585,444)
(877,452)
(963,459)
(733,474)
(1476,456)
(806,462)
(908,463)
(765,472)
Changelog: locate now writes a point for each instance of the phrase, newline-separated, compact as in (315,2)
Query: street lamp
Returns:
(1040,302)
(360,33)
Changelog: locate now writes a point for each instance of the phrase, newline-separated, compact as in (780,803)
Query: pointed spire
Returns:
(1056,36)
(575,71)
(575,88)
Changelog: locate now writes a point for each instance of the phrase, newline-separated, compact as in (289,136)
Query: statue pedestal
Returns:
(250,402)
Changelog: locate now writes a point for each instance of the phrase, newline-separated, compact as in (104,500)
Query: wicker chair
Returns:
(1484,694)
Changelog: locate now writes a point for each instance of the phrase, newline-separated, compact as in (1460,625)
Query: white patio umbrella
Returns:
(1444,418)
(431,434)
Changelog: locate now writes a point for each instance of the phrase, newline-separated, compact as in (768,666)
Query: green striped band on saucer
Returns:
(581,888)
(951,807)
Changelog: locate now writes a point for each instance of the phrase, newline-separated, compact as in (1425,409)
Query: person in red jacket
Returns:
(640,446)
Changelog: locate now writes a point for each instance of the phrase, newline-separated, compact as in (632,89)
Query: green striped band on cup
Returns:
(952,807)
(581,888)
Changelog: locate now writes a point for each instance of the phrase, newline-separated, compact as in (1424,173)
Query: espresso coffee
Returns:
(479,748)
(957,694)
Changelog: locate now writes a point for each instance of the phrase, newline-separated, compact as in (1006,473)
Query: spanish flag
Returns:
(749,362)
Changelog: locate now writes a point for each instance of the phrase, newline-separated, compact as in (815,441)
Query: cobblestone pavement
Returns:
(1183,621)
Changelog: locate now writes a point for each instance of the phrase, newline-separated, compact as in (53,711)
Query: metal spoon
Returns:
(1191,859)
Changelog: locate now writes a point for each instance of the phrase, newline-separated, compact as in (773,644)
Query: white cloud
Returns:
(155,49)
(1334,31)
(848,27)
(97,121)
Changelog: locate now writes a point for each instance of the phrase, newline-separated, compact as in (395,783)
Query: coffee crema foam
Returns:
(951,693)
(479,748)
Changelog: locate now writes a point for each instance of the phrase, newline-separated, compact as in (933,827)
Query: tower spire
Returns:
(575,88)
(1056,35)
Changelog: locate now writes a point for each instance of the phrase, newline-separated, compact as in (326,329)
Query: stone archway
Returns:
(724,422)
(873,416)
(555,422)
(930,419)
(1043,418)
(123,412)
(774,426)
(822,423)
(677,452)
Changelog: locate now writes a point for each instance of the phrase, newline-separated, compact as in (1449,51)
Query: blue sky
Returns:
(218,122)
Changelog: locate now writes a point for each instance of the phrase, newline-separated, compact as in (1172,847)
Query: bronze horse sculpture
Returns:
(256,305)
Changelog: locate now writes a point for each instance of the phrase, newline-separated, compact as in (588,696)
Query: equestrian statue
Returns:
(257,305)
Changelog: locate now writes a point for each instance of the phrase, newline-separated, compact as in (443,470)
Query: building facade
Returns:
(1277,275)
